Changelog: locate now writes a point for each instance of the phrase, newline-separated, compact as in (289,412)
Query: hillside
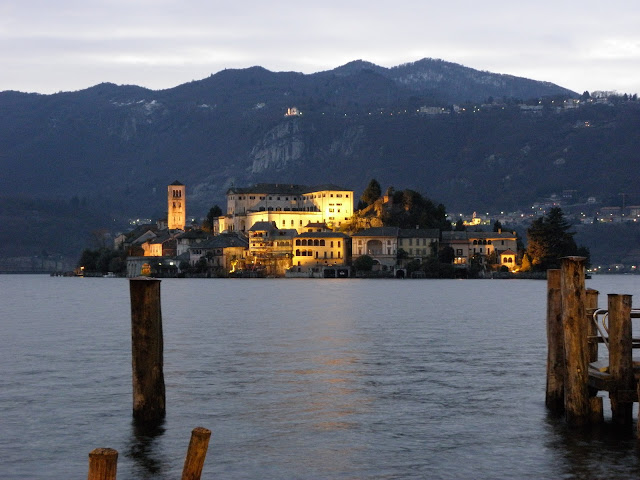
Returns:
(115,148)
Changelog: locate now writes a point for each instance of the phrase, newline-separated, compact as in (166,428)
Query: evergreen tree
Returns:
(214,212)
(372,192)
(549,239)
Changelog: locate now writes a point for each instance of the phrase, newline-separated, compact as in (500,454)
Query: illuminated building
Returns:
(288,206)
(176,211)
(314,250)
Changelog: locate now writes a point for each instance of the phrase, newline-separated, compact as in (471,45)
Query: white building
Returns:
(288,206)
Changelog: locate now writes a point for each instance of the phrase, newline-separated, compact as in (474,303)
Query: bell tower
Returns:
(176,212)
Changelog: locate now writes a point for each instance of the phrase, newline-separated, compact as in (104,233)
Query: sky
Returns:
(66,45)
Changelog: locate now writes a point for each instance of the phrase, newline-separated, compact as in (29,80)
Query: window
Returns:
(338,253)
(322,243)
(338,243)
(316,243)
(410,242)
(331,243)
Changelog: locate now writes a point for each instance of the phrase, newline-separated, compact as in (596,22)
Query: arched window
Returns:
(475,242)
(297,243)
(304,243)
(489,242)
(297,252)
(322,243)
(484,242)
(316,243)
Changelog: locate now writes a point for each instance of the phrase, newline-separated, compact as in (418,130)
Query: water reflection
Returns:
(597,451)
(143,448)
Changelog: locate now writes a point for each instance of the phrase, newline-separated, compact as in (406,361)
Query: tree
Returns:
(214,212)
(497,226)
(460,226)
(364,263)
(549,239)
(372,192)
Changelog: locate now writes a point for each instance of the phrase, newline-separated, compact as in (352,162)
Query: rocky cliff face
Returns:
(279,149)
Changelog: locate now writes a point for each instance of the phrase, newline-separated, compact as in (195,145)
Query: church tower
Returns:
(177,212)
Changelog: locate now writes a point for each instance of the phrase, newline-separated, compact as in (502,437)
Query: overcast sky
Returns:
(48,46)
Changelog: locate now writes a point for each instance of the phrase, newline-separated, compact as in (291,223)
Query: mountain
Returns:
(114,149)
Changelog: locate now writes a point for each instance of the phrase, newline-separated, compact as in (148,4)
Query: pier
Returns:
(589,350)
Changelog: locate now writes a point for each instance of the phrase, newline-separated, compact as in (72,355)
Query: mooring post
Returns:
(554,398)
(620,359)
(591,306)
(194,461)
(103,463)
(147,350)
(576,398)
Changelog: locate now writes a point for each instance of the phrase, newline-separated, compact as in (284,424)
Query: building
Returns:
(380,243)
(226,252)
(270,248)
(288,206)
(313,251)
(418,243)
(485,247)
(176,210)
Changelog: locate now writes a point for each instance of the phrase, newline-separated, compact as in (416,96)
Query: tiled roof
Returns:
(378,232)
(284,189)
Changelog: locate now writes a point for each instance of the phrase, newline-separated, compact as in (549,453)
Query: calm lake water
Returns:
(297,379)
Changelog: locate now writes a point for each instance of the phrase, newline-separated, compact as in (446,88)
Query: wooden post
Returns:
(620,358)
(103,463)
(592,306)
(595,402)
(576,399)
(194,461)
(554,398)
(147,350)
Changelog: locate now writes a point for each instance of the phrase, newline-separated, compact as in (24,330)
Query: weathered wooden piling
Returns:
(103,463)
(577,403)
(591,306)
(595,402)
(194,461)
(620,359)
(147,350)
(554,398)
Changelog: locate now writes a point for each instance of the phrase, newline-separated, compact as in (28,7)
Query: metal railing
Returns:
(603,325)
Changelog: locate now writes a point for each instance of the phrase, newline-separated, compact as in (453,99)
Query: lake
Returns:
(297,379)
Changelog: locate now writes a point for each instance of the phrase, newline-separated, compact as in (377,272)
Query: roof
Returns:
(455,235)
(177,183)
(488,235)
(508,251)
(284,189)
(225,240)
(316,225)
(378,232)
(195,234)
(322,235)
(419,233)
(263,227)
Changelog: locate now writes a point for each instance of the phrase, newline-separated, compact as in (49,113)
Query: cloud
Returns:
(74,44)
